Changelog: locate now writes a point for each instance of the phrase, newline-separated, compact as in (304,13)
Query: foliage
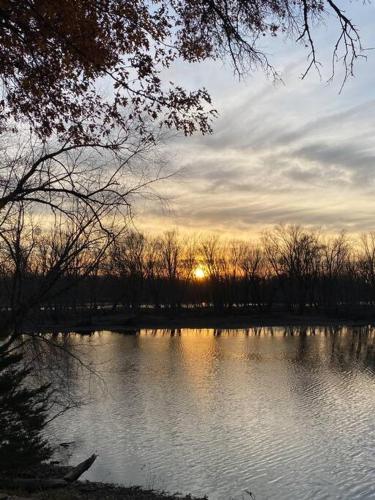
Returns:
(56,55)
(22,416)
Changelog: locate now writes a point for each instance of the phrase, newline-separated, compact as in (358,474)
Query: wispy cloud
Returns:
(299,153)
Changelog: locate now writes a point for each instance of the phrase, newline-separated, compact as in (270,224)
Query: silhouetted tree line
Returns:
(290,268)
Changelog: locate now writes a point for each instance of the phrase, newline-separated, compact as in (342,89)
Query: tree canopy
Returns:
(56,54)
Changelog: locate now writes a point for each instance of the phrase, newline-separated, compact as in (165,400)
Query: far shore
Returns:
(176,320)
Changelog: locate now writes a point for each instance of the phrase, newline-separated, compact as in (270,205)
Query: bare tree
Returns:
(154,269)
(126,258)
(336,257)
(55,175)
(55,258)
(366,262)
(214,258)
(294,255)
(256,273)
(171,252)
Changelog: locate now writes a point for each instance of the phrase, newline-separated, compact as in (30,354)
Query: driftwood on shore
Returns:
(77,471)
(35,484)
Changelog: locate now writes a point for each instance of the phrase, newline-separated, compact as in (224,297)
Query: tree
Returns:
(214,261)
(23,415)
(55,56)
(335,264)
(171,254)
(55,175)
(126,263)
(42,262)
(366,262)
(295,256)
(254,268)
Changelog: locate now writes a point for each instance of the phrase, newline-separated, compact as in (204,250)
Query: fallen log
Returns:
(79,469)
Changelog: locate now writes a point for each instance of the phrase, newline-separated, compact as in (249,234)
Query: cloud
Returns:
(357,161)
(298,153)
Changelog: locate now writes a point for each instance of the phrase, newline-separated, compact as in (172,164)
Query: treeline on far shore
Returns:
(290,268)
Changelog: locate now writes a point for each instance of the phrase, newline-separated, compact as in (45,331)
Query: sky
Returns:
(296,151)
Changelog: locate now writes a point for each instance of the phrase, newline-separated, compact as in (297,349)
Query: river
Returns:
(283,413)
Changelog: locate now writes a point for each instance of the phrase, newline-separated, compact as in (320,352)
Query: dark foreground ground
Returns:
(78,490)
(93,491)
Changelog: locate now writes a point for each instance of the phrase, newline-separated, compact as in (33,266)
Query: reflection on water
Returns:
(283,413)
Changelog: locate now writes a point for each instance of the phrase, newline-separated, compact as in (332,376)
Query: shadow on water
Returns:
(343,347)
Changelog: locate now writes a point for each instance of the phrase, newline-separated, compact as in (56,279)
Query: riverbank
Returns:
(37,483)
(93,491)
(130,323)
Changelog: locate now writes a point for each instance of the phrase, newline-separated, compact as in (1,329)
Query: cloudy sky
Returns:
(293,152)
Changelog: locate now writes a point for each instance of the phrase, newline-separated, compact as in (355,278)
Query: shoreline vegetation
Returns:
(291,273)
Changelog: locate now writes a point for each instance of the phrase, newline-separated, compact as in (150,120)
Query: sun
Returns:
(199,273)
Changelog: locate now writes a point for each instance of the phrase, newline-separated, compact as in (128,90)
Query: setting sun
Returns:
(199,273)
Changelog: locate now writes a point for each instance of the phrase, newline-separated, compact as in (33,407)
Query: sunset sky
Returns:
(292,152)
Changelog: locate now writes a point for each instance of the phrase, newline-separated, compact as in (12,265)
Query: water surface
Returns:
(283,413)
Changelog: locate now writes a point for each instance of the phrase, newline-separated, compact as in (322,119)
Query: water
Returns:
(285,414)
